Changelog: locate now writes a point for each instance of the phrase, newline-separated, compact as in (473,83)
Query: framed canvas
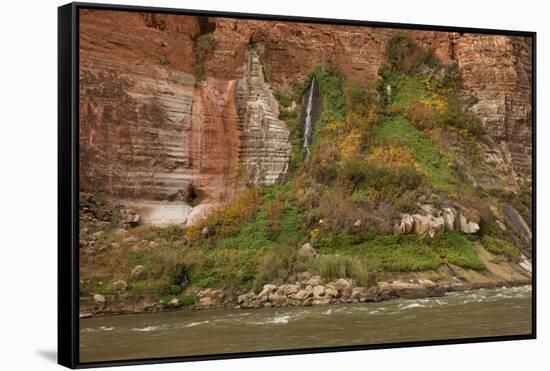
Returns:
(242,185)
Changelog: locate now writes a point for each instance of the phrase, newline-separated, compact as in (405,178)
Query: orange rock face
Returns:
(149,128)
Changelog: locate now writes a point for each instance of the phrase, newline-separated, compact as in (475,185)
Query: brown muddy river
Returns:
(459,315)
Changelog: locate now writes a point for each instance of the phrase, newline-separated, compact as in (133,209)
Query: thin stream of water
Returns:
(308,125)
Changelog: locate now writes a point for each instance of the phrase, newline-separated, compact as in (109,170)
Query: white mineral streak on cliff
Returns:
(264,139)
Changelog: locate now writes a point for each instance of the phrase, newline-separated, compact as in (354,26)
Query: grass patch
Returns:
(382,252)
(456,249)
(183,299)
(434,163)
(500,247)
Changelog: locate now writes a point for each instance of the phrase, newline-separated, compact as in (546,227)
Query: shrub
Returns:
(332,89)
(421,115)
(404,55)
(203,45)
(359,195)
(283,98)
(153,288)
(188,299)
(384,178)
(205,282)
(456,249)
(228,219)
(353,170)
(360,273)
(362,99)
(455,115)
(273,264)
(394,153)
(323,163)
(350,146)
(331,267)
(363,123)
(338,211)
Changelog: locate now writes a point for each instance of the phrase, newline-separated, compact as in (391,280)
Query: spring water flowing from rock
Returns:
(308,125)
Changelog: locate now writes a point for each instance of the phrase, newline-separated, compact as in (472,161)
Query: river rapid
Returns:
(457,315)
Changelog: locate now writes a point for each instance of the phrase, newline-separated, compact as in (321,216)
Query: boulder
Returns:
(303,294)
(405,225)
(342,283)
(501,225)
(208,301)
(212,293)
(358,223)
(331,292)
(321,301)
(318,291)
(516,222)
(315,281)
(303,276)
(428,209)
(205,232)
(120,285)
(428,225)
(245,298)
(97,234)
(466,226)
(175,303)
(276,297)
(267,289)
(357,293)
(450,218)
(287,290)
(307,251)
(99,299)
(347,291)
(139,273)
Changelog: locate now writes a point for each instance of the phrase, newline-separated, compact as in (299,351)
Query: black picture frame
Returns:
(68,183)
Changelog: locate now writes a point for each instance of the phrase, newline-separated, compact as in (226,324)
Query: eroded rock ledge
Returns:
(265,147)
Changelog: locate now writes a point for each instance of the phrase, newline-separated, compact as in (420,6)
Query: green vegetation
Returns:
(434,163)
(405,56)
(501,247)
(456,249)
(183,299)
(203,45)
(373,156)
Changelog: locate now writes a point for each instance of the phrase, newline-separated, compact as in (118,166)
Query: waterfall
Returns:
(308,126)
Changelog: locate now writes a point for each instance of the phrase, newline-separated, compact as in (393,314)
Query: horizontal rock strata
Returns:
(149,128)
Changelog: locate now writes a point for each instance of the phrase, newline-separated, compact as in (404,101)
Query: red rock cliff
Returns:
(149,129)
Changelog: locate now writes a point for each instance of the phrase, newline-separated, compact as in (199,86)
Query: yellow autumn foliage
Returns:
(350,147)
(392,155)
(227,219)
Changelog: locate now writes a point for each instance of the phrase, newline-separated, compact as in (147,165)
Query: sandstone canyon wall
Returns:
(149,129)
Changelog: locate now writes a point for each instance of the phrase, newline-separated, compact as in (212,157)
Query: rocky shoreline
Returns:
(312,291)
